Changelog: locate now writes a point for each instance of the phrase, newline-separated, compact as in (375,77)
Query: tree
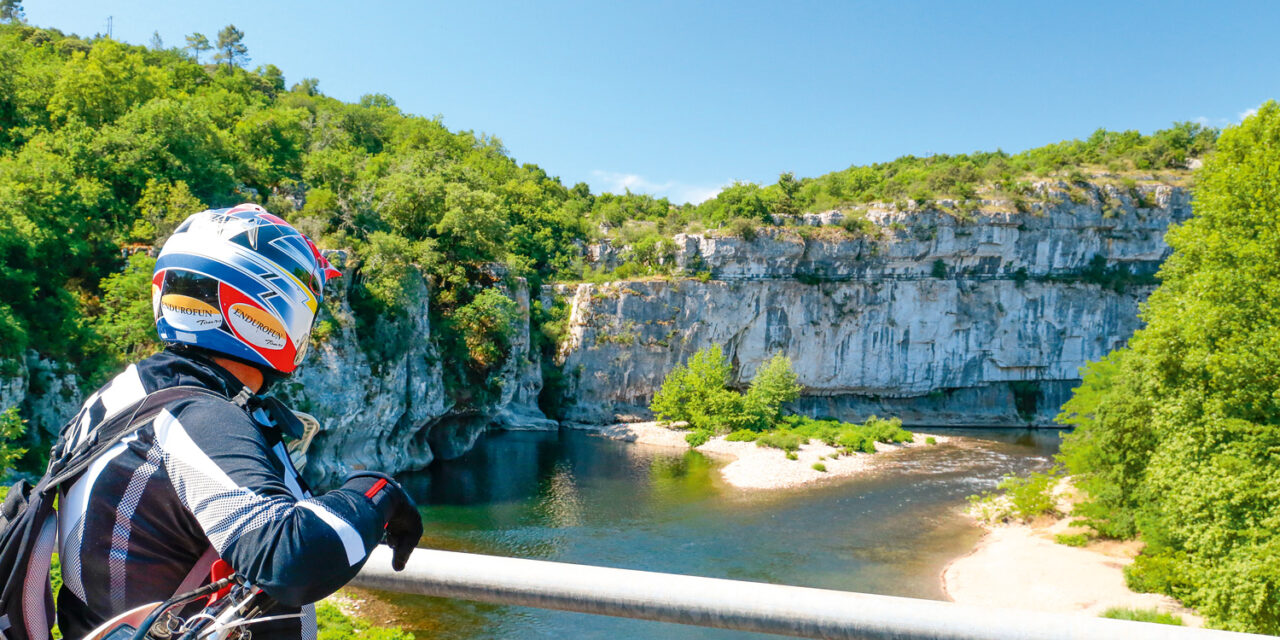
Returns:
(126,323)
(197,44)
(307,86)
(11,11)
(486,325)
(162,207)
(774,385)
(231,47)
(1176,436)
(788,187)
(157,43)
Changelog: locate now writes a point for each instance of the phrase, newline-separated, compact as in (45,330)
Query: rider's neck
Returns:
(250,376)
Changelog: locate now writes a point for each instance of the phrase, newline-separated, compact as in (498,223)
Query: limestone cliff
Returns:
(942,318)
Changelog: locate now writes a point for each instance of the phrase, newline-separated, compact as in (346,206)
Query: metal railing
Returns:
(733,604)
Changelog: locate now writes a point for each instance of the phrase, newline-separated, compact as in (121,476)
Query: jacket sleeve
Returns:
(226,475)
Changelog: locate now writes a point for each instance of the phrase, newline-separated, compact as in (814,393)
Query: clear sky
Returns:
(681,98)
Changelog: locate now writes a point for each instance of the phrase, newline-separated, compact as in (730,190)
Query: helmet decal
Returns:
(241,282)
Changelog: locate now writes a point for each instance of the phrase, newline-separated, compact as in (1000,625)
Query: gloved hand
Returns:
(404,523)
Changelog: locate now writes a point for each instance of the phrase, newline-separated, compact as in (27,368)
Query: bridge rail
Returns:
(732,604)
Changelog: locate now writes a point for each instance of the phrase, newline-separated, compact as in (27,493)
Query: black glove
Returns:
(404,523)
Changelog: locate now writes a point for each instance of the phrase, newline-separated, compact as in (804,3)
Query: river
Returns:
(572,497)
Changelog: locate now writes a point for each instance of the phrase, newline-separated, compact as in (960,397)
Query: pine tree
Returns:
(231,48)
(11,10)
(197,44)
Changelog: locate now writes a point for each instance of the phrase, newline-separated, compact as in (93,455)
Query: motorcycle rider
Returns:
(234,294)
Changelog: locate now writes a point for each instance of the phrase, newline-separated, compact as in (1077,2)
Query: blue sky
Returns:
(681,98)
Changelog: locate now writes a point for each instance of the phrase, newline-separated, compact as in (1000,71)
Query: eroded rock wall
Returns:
(941,319)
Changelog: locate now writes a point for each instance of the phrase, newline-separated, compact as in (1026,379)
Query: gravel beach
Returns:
(756,467)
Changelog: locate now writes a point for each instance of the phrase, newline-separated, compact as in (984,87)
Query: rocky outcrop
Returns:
(389,410)
(46,392)
(939,317)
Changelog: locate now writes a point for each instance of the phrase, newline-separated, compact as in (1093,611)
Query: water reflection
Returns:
(571,497)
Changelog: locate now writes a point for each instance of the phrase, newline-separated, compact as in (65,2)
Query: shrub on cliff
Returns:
(1176,436)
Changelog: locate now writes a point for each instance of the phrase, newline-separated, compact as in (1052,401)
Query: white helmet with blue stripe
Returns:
(242,283)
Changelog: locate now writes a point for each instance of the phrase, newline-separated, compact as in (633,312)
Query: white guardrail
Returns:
(733,604)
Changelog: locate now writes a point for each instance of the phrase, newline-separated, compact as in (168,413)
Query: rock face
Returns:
(937,318)
(390,412)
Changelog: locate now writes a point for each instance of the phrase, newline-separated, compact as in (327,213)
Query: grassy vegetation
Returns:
(1072,539)
(1018,497)
(1143,615)
(333,624)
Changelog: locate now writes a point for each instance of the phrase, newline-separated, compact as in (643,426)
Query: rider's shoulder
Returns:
(210,414)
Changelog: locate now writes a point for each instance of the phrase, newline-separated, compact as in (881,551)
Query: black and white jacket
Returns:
(205,472)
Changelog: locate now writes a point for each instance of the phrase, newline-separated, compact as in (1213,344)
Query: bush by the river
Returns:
(697,393)
(1177,435)
(1018,497)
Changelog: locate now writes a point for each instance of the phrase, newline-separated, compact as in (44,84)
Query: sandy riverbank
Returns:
(1020,566)
(756,467)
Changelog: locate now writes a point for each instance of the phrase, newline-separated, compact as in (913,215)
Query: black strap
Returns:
(64,467)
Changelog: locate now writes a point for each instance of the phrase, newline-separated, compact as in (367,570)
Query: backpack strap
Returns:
(66,466)
(199,572)
(37,605)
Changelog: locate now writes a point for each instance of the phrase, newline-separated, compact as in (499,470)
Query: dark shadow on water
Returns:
(570,497)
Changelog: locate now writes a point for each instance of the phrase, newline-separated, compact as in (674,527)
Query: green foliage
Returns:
(780,439)
(939,269)
(961,176)
(818,466)
(197,43)
(11,10)
(697,437)
(848,437)
(162,207)
(931,440)
(791,455)
(1072,539)
(744,228)
(743,435)
(333,624)
(1176,436)
(231,48)
(1031,495)
(696,393)
(1142,615)
(126,322)
(11,429)
(486,325)
(774,385)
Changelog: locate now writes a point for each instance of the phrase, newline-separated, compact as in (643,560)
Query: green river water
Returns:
(573,497)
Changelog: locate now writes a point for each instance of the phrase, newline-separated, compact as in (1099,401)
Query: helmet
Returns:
(242,283)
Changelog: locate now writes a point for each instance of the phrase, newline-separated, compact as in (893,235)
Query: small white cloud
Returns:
(1246,113)
(1202,121)
(676,192)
